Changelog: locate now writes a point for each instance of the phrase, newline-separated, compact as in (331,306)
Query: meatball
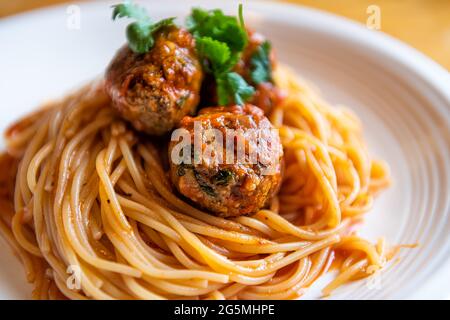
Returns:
(155,90)
(233,170)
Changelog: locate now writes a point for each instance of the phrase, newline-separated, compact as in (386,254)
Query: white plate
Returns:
(402,97)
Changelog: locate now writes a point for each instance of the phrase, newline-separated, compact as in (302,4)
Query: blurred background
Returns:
(424,24)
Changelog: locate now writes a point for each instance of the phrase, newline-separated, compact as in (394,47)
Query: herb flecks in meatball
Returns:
(156,89)
(224,180)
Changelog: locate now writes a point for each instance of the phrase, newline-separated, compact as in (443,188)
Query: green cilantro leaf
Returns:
(220,39)
(162,23)
(139,38)
(139,33)
(130,10)
(260,64)
(196,17)
(233,85)
(218,26)
(218,53)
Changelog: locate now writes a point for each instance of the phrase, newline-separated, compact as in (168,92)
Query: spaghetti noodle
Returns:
(87,206)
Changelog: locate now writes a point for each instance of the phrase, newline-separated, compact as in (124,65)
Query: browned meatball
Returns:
(226,186)
(155,90)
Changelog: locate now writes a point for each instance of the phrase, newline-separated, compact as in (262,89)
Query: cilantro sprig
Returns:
(140,34)
(218,26)
(220,40)
(232,87)
(261,68)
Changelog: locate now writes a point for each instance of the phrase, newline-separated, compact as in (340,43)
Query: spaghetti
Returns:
(87,206)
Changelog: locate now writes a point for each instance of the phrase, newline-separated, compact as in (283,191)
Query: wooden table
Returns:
(424,24)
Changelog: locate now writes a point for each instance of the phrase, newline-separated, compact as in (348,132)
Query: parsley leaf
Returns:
(139,33)
(260,64)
